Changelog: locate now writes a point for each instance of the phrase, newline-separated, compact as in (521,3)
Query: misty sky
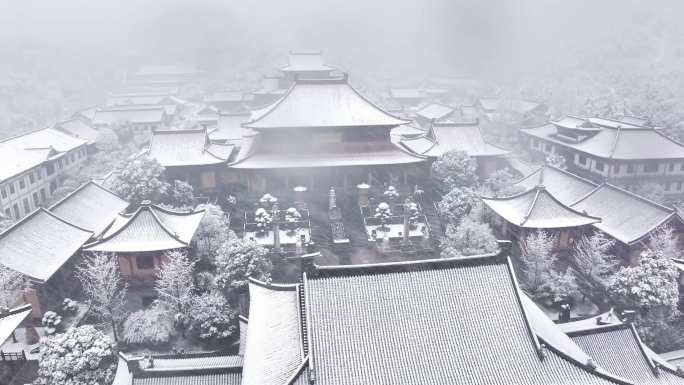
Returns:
(456,36)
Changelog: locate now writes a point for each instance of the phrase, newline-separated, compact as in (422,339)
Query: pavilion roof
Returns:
(172,148)
(273,351)
(568,188)
(322,103)
(90,206)
(186,369)
(398,323)
(619,349)
(149,228)
(39,244)
(538,209)
(468,138)
(11,320)
(435,111)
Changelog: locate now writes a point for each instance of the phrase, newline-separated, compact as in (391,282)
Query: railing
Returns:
(12,356)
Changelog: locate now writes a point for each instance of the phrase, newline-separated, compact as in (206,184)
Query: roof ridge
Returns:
(49,126)
(64,220)
(538,189)
(649,360)
(81,187)
(270,107)
(16,310)
(173,234)
(299,371)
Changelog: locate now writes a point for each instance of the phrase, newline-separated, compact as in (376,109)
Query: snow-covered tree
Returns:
(457,204)
(594,261)
(263,219)
(102,284)
(237,260)
(175,283)
(501,182)
(212,318)
(52,322)
(468,238)
(556,160)
(80,356)
(454,169)
(11,283)
(413,213)
(539,278)
(182,194)
(664,243)
(391,193)
(649,287)
(151,326)
(142,179)
(383,214)
(213,231)
(268,200)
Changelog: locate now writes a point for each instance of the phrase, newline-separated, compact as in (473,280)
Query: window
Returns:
(39,174)
(36,201)
(32,178)
(651,167)
(679,186)
(50,169)
(3,191)
(670,167)
(22,184)
(43,196)
(548,147)
(27,206)
(53,186)
(73,158)
(17,214)
(600,166)
(582,159)
(12,190)
(144,262)
(630,169)
(8,213)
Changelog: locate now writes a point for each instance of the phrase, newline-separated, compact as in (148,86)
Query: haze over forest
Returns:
(62,55)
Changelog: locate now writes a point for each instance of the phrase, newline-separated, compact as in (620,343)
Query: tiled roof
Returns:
(307,62)
(194,362)
(273,352)
(79,128)
(39,244)
(186,148)
(625,216)
(230,378)
(322,103)
(538,209)
(435,111)
(111,115)
(149,228)
(138,99)
(606,319)
(11,320)
(468,138)
(623,144)
(229,127)
(564,186)
(383,155)
(90,206)
(447,321)
(190,369)
(619,350)
(86,113)
(23,152)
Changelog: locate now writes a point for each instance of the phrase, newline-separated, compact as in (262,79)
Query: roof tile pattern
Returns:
(619,351)
(460,325)
(185,148)
(91,207)
(40,244)
(191,379)
(273,352)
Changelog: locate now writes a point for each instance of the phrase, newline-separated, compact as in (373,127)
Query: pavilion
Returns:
(306,65)
(399,323)
(537,209)
(141,238)
(322,133)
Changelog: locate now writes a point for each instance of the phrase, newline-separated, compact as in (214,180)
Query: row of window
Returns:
(631,167)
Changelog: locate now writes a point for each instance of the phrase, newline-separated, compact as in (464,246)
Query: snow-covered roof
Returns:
(140,99)
(538,209)
(90,206)
(637,143)
(301,61)
(132,114)
(398,323)
(186,369)
(619,349)
(229,127)
(11,320)
(24,152)
(407,93)
(273,351)
(321,103)
(624,215)
(79,128)
(149,228)
(510,105)
(173,148)
(39,244)
(435,111)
